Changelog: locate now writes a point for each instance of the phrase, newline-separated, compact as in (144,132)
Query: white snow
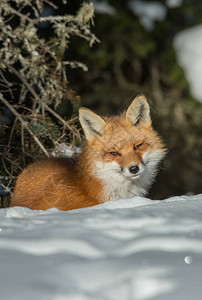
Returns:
(188,47)
(174,3)
(65,150)
(103,7)
(148,12)
(133,249)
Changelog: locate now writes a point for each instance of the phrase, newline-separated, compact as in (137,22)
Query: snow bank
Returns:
(174,3)
(134,249)
(103,7)
(188,46)
(148,12)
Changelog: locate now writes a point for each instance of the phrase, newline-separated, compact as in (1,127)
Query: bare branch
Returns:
(32,91)
(24,123)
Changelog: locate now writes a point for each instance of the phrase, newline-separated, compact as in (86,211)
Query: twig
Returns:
(23,145)
(55,19)
(5,168)
(19,14)
(24,124)
(11,132)
(60,119)
(7,177)
(51,4)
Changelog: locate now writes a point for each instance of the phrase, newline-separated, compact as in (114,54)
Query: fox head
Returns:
(124,147)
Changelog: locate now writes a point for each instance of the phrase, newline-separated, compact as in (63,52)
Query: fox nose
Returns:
(134,169)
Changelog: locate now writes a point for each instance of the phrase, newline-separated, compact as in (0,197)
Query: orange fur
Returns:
(56,182)
(67,183)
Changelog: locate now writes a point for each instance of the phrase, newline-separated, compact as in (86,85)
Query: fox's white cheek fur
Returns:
(105,170)
(152,158)
(119,184)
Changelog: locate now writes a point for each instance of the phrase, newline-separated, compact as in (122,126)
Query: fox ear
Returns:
(138,110)
(91,123)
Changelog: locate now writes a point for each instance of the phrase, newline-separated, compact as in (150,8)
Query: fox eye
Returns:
(114,153)
(137,146)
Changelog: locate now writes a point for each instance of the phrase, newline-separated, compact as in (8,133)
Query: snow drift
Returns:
(134,249)
(188,47)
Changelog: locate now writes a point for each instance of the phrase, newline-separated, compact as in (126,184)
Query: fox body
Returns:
(119,159)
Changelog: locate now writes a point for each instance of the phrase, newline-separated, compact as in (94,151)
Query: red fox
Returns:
(118,160)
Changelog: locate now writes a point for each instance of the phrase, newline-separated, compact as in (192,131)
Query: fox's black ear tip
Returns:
(82,109)
(140,96)
(91,123)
